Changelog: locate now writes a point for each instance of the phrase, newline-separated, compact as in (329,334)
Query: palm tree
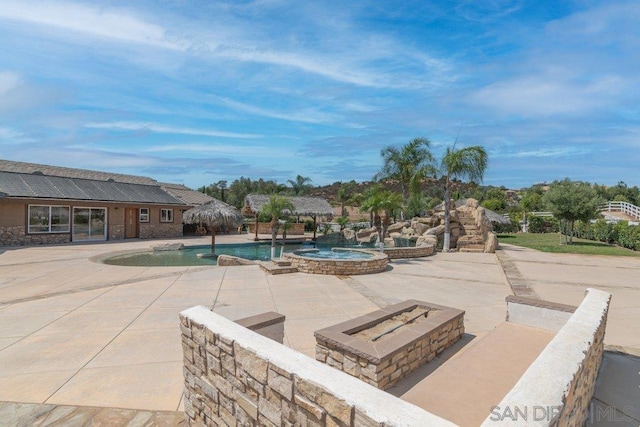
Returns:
(381,202)
(409,165)
(300,185)
(276,208)
(344,196)
(469,162)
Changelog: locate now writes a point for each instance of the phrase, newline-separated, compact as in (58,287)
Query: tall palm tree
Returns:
(408,164)
(300,185)
(469,162)
(276,208)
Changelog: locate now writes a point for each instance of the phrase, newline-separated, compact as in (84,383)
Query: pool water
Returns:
(188,255)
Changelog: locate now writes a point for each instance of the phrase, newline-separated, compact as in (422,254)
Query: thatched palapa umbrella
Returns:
(216,214)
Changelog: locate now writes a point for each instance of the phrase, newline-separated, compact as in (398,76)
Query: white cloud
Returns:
(547,95)
(159,128)
(553,152)
(101,22)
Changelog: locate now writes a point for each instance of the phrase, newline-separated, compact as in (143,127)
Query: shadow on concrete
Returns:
(617,397)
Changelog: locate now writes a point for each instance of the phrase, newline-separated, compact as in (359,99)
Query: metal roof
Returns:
(38,186)
(187,195)
(34,168)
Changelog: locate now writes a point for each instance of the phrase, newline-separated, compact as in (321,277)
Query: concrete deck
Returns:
(481,375)
(76,332)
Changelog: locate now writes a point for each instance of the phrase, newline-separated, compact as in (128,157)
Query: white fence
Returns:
(624,207)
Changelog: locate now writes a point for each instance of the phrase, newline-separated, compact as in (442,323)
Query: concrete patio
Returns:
(74,332)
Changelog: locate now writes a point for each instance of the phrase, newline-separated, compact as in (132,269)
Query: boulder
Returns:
(419,227)
(228,260)
(168,247)
(398,226)
(436,231)
(491,244)
(428,239)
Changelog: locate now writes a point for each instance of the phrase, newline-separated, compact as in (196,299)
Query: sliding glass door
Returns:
(89,224)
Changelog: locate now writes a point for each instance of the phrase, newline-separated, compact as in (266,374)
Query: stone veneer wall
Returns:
(162,230)
(558,387)
(399,361)
(234,376)
(344,267)
(16,236)
(410,252)
(116,231)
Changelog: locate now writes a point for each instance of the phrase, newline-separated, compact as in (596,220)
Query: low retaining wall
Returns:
(558,387)
(410,252)
(383,363)
(234,376)
(339,267)
(537,313)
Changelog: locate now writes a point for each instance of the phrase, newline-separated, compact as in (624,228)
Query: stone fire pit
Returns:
(384,346)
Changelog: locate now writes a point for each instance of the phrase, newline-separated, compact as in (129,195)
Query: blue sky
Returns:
(196,92)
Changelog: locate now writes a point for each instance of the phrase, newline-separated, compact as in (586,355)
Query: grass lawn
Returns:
(551,242)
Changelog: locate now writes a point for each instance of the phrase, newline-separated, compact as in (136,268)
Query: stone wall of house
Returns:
(16,236)
(558,387)
(116,231)
(159,231)
(235,377)
(387,371)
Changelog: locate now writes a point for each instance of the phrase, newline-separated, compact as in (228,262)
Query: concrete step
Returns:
(472,248)
(470,240)
(273,268)
(281,262)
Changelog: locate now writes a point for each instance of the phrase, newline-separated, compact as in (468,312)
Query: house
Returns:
(41,204)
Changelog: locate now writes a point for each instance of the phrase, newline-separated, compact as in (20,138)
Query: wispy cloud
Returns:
(159,128)
(108,23)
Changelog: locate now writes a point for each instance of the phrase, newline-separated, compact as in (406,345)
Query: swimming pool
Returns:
(189,255)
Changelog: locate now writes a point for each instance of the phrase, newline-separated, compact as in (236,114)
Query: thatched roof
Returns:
(307,206)
(495,217)
(215,213)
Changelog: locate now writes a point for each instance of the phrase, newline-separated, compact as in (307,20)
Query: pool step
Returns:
(271,267)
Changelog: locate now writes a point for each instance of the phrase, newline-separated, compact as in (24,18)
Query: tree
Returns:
(276,208)
(381,204)
(300,185)
(344,196)
(409,164)
(572,201)
(469,162)
(221,185)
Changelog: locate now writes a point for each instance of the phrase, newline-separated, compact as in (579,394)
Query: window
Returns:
(48,219)
(166,215)
(144,214)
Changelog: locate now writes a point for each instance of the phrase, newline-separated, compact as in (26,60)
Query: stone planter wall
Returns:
(410,252)
(234,377)
(385,363)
